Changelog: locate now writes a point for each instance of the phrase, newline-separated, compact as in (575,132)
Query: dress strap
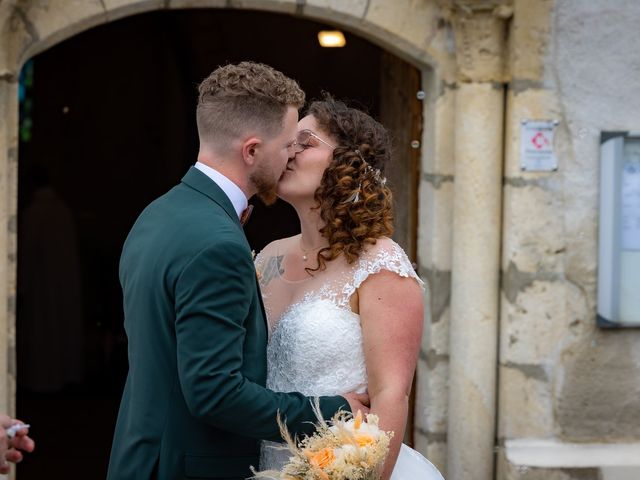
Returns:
(384,255)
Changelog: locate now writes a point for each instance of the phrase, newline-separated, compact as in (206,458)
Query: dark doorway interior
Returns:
(107,125)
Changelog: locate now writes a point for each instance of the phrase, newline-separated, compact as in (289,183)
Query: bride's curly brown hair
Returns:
(354,202)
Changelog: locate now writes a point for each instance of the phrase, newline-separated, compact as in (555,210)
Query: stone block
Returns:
(8,166)
(353,8)
(508,471)
(525,402)
(439,146)
(620,473)
(8,123)
(598,393)
(123,8)
(281,6)
(534,238)
(593,69)
(530,34)
(431,396)
(50,22)
(436,335)
(435,219)
(16,36)
(533,326)
(480,47)
(413,20)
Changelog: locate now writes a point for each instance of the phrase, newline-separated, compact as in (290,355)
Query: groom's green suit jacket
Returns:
(195,403)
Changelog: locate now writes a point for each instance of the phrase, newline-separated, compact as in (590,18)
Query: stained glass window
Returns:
(25,97)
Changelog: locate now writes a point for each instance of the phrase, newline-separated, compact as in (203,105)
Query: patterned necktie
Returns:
(246,213)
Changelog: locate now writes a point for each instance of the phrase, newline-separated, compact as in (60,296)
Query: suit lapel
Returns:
(197,180)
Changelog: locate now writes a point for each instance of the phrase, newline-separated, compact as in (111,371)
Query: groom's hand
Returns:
(358,401)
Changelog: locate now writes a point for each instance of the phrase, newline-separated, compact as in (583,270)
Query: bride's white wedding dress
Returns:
(315,345)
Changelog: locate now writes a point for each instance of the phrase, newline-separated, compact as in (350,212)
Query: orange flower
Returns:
(363,440)
(322,458)
(358,420)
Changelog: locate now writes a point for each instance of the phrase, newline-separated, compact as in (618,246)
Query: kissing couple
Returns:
(219,344)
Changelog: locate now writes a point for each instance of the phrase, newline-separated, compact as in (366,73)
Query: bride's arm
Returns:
(391,311)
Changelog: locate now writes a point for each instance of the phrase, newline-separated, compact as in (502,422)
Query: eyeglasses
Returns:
(301,142)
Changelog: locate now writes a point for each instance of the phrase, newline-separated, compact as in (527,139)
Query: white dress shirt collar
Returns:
(237,196)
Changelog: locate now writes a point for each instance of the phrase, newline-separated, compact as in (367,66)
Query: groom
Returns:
(195,403)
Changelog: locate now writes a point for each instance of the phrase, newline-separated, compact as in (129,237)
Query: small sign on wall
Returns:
(536,145)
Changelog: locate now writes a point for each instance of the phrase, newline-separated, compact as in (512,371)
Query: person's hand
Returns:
(5,422)
(11,448)
(358,401)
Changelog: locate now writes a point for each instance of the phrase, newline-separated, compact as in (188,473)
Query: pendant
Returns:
(304,257)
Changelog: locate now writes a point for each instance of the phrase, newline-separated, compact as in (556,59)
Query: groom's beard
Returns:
(265,185)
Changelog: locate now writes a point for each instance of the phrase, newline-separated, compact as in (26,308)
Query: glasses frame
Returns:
(296,146)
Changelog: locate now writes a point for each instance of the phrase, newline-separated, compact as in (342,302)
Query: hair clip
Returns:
(375,172)
(355,196)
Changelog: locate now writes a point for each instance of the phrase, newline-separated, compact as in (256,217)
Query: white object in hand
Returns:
(15,428)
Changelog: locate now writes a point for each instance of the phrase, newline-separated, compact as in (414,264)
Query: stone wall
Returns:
(411,29)
(564,383)
(434,241)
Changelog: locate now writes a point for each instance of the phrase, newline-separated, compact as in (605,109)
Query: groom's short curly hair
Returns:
(243,98)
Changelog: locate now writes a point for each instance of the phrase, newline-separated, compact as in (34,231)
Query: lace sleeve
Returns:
(258,261)
(384,255)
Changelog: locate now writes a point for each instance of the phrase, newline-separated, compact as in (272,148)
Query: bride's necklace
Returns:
(305,252)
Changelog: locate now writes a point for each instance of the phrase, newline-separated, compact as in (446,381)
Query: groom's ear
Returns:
(249,148)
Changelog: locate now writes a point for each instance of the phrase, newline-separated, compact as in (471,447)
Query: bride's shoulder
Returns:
(384,246)
(386,254)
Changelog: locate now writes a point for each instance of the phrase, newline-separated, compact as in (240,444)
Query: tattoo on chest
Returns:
(272,269)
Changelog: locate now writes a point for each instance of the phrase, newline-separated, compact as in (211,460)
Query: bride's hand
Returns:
(358,401)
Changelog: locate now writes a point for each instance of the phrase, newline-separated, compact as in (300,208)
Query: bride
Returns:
(343,302)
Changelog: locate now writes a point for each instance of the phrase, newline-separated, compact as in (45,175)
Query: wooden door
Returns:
(401,113)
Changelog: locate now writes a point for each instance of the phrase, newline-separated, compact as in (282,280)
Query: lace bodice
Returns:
(315,344)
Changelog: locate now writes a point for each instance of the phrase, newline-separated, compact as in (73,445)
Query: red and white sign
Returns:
(536,145)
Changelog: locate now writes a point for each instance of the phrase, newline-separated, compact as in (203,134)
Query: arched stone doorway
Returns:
(371,30)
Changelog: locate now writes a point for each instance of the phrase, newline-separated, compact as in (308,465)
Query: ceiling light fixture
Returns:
(331,38)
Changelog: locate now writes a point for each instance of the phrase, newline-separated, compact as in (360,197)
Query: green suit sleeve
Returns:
(211,305)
